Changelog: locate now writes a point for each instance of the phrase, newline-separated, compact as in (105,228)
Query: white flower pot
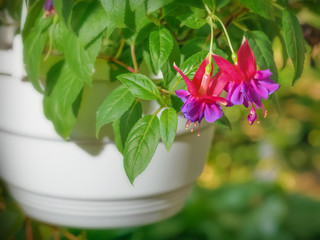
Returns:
(82,183)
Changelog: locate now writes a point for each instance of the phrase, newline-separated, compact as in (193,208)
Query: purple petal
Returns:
(48,5)
(254,95)
(183,94)
(212,112)
(268,84)
(262,74)
(260,90)
(193,109)
(236,96)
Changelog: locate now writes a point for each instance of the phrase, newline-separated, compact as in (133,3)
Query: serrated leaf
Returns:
(60,102)
(262,49)
(140,86)
(33,45)
(80,59)
(168,127)
(115,10)
(191,20)
(134,4)
(223,122)
(115,104)
(141,145)
(123,125)
(167,69)
(93,21)
(261,7)
(160,45)
(294,42)
(154,5)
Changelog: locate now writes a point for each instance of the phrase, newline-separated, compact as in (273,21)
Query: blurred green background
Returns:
(260,182)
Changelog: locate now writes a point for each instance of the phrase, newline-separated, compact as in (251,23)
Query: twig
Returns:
(29,229)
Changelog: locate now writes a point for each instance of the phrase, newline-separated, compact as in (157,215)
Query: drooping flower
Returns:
(48,8)
(246,85)
(202,100)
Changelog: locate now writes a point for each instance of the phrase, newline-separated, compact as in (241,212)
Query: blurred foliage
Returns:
(253,210)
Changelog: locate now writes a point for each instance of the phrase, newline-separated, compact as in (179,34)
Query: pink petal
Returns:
(246,60)
(212,100)
(197,79)
(190,85)
(218,83)
(227,68)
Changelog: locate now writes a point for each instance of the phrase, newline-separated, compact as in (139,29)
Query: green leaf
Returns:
(222,3)
(191,20)
(115,104)
(64,10)
(294,42)
(93,21)
(140,86)
(80,59)
(167,69)
(141,145)
(262,49)
(134,4)
(123,125)
(160,45)
(261,7)
(33,44)
(168,127)
(60,102)
(154,5)
(115,10)
(223,122)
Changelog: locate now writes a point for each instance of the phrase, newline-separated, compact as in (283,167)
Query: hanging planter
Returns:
(82,182)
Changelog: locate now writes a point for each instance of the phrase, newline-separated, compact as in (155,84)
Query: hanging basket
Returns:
(81,182)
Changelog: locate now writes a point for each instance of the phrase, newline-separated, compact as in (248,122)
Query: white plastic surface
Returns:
(70,183)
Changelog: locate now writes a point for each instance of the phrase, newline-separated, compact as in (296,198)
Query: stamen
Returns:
(187,125)
(199,129)
(264,111)
(252,114)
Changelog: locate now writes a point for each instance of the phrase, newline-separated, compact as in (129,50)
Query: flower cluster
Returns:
(242,81)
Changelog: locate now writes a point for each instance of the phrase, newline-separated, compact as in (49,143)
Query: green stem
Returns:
(211,38)
(120,49)
(278,6)
(225,32)
(156,112)
(133,56)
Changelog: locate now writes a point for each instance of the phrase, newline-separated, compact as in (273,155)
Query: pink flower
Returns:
(202,98)
(246,85)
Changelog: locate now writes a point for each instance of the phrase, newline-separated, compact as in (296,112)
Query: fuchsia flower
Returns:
(48,8)
(202,98)
(246,85)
